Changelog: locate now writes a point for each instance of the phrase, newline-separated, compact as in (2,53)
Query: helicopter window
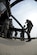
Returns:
(2,8)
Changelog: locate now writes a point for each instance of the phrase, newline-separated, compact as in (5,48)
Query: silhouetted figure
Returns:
(21,36)
(15,33)
(29,28)
(10,32)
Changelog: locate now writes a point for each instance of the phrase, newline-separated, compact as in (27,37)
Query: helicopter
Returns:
(6,26)
(5,23)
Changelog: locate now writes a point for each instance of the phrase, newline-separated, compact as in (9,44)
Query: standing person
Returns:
(29,28)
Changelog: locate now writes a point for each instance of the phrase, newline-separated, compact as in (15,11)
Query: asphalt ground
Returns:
(17,47)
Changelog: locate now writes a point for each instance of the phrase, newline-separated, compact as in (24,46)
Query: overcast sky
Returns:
(26,9)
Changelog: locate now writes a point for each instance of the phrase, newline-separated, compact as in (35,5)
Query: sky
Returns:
(26,9)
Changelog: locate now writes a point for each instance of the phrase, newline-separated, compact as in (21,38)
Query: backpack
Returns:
(31,25)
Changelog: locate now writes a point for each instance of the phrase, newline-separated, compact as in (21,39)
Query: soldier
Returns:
(29,28)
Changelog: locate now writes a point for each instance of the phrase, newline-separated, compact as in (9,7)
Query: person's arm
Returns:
(25,28)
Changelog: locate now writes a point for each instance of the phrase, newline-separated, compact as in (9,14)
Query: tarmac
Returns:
(17,47)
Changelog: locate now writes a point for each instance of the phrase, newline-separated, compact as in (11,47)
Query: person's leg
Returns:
(29,39)
(28,35)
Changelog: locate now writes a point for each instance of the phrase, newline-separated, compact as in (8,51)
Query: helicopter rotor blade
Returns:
(35,0)
(15,2)
(17,21)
